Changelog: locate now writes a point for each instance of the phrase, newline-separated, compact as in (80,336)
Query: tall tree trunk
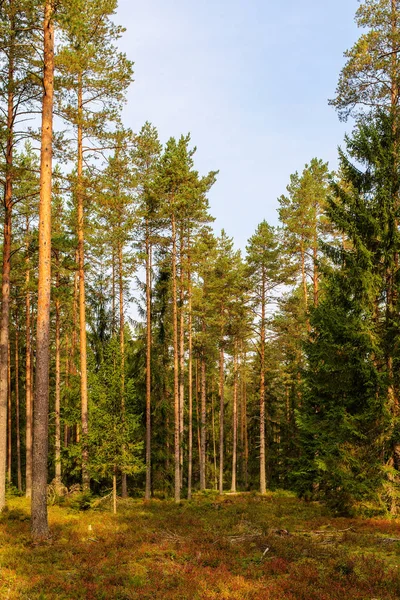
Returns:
(28,375)
(5,290)
(263,484)
(82,300)
(176,366)
(203,421)
(315,272)
(113,294)
(197,392)
(190,385)
(181,355)
(17,405)
(221,418)
(246,436)
(9,419)
(75,307)
(148,364)
(304,276)
(40,527)
(58,384)
(122,347)
(214,441)
(114,492)
(235,419)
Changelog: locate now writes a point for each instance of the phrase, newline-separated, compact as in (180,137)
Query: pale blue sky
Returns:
(250,81)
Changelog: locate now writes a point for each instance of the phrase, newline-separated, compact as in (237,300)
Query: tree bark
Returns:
(190,386)
(176,366)
(58,386)
(214,441)
(40,527)
(263,485)
(246,437)
(5,290)
(203,422)
(9,421)
(124,491)
(221,418)
(235,419)
(17,406)
(28,376)
(82,300)
(148,364)
(181,356)
(315,273)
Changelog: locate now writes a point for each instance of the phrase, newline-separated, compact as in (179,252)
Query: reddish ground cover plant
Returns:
(215,547)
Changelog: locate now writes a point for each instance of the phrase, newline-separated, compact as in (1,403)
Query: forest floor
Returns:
(274,547)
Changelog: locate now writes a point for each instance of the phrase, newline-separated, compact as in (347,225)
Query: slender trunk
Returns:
(197,391)
(235,419)
(67,372)
(57,440)
(214,442)
(114,494)
(303,276)
(203,421)
(246,437)
(148,365)
(221,418)
(315,273)
(113,294)
(75,317)
(122,347)
(17,406)
(190,386)
(40,527)
(5,290)
(82,302)
(181,355)
(167,441)
(9,420)
(263,484)
(28,376)
(176,366)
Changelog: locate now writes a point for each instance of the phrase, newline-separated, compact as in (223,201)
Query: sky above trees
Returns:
(250,80)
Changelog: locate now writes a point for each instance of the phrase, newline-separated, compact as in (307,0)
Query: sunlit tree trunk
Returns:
(28,376)
(203,420)
(5,290)
(9,420)
(235,419)
(181,355)
(263,484)
(214,441)
(41,405)
(176,366)
(221,418)
(82,300)
(148,364)
(17,405)
(57,440)
(190,386)
(122,347)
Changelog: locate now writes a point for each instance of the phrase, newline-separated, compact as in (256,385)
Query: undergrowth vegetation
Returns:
(242,547)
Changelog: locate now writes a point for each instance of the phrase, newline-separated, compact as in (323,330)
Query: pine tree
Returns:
(266,274)
(350,429)
(41,406)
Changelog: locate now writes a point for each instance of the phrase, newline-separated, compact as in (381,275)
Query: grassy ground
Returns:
(233,547)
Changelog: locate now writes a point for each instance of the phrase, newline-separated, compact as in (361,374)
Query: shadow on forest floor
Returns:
(274,547)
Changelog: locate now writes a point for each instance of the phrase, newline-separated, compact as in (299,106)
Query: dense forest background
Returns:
(276,368)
